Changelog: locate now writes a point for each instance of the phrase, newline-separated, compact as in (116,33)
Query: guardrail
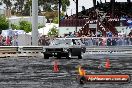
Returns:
(21,51)
(109,50)
(8,51)
(34,51)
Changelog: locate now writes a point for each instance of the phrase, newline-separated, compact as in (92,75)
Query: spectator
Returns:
(109,34)
(0,40)
(14,40)
(99,33)
(66,16)
(130,35)
(70,35)
(8,41)
(3,41)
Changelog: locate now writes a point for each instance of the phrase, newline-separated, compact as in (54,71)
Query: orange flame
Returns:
(81,71)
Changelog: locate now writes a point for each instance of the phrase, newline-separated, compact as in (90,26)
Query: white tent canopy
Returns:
(11,32)
(46,29)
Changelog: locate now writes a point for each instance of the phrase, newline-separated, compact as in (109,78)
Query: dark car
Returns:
(65,47)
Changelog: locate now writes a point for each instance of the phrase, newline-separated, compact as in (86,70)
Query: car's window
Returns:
(66,42)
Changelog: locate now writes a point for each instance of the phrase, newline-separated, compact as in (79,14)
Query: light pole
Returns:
(76,1)
(30,16)
(97,12)
(35,22)
(59,11)
(76,14)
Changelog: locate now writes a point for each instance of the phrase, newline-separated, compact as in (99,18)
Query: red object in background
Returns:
(8,41)
(107,64)
(56,67)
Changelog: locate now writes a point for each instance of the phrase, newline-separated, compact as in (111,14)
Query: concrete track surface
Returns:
(38,72)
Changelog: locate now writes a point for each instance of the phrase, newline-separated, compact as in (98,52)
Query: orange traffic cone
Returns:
(56,68)
(107,64)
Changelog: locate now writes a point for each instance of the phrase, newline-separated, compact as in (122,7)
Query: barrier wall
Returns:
(37,51)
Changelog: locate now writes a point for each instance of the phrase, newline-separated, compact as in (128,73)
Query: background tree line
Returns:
(48,8)
(22,7)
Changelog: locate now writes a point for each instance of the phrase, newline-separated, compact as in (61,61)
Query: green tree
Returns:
(56,20)
(48,5)
(25,25)
(51,15)
(20,4)
(7,3)
(53,32)
(14,26)
(26,11)
(40,26)
(4,24)
(22,7)
(64,4)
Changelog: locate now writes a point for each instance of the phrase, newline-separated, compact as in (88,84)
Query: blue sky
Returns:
(87,3)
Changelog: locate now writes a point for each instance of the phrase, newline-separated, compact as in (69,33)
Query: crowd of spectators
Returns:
(110,40)
(44,40)
(8,41)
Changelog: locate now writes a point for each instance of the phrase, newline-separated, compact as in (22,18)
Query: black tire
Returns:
(46,56)
(80,56)
(82,80)
(58,57)
(68,55)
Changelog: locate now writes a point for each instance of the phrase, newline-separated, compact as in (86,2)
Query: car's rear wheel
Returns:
(59,57)
(81,55)
(69,55)
(46,56)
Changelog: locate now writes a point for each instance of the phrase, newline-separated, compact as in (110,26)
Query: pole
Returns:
(76,14)
(71,12)
(35,22)
(8,13)
(59,11)
(30,16)
(97,21)
(94,3)
(112,7)
(97,28)
(44,24)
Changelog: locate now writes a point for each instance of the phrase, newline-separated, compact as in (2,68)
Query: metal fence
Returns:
(107,41)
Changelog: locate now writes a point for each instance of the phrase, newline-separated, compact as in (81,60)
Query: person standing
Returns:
(8,41)
(1,40)
(130,37)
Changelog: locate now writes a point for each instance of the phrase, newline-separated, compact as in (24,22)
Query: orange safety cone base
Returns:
(107,65)
(56,68)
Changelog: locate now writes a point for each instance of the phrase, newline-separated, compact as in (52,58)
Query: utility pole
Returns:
(35,22)
(112,7)
(59,11)
(76,14)
(94,3)
(31,16)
